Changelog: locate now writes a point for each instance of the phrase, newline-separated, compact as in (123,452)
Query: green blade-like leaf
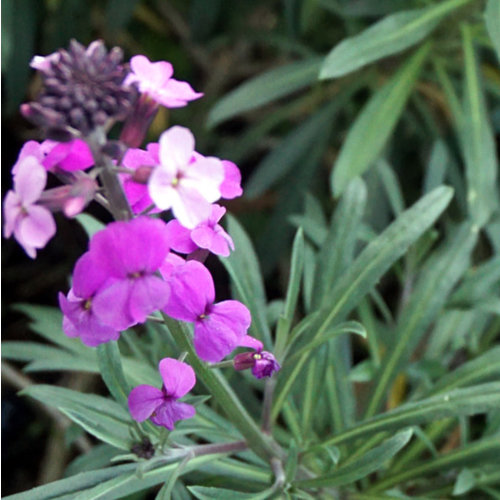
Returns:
(99,416)
(366,270)
(243,268)
(492,18)
(289,153)
(477,141)
(265,88)
(73,484)
(375,123)
(89,223)
(210,493)
(370,462)
(110,366)
(391,35)
(470,401)
(431,292)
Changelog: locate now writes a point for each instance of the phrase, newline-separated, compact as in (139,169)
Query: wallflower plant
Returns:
(221,397)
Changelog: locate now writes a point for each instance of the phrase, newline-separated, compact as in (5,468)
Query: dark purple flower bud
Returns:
(141,174)
(262,363)
(83,89)
(138,122)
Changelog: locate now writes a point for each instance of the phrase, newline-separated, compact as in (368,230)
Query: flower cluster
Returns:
(132,268)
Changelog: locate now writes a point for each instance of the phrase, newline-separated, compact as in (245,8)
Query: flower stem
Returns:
(260,443)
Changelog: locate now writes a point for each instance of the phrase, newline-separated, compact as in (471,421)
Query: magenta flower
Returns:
(128,255)
(155,80)
(68,156)
(31,224)
(161,405)
(187,187)
(262,363)
(208,235)
(79,318)
(218,328)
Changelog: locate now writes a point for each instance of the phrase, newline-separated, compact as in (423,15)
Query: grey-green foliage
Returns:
(378,175)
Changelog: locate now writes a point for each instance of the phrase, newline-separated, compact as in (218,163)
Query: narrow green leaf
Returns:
(392,187)
(337,249)
(391,35)
(110,366)
(210,493)
(282,159)
(470,401)
(375,123)
(73,484)
(292,294)
(492,19)
(370,462)
(368,268)
(477,141)
(244,270)
(483,451)
(431,292)
(436,169)
(99,416)
(466,480)
(265,88)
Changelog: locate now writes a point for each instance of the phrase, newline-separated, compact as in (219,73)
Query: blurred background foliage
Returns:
(303,99)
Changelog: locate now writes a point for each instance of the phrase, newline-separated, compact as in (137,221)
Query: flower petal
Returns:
(30,180)
(36,229)
(192,290)
(178,377)
(148,294)
(176,148)
(111,305)
(179,237)
(143,400)
(172,411)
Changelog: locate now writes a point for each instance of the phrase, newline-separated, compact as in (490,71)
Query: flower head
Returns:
(262,363)
(83,89)
(155,80)
(128,254)
(218,328)
(31,224)
(187,187)
(161,405)
(208,234)
(80,319)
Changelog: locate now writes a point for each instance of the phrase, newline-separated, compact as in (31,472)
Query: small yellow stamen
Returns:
(257,356)
(88,304)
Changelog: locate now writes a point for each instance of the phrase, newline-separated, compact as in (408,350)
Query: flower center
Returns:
(87,304)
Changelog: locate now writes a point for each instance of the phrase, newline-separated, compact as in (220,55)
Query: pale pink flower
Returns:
(155,80)
(32,225)
(187,187)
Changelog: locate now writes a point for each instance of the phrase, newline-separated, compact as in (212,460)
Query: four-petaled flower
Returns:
(187,187)
(31,224)
(161,405)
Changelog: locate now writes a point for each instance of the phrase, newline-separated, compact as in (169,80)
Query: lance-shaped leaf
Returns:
(374,125)
(478,144)
(370,462)
(265,88)
(99,416)
(435,284)
(492,18)
(391,35)
(366,270)
(470,401)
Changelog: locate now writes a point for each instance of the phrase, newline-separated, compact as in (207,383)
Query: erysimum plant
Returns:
(244,398)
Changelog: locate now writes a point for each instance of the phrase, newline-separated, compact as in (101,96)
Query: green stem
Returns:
(260,443)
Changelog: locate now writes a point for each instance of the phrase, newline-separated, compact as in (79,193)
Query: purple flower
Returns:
(128,255)
(31,224)
(161,405)
(262,363)
(187,187)
(79,318)
(155,80)
(218,328)
(68,156)
(208,235)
